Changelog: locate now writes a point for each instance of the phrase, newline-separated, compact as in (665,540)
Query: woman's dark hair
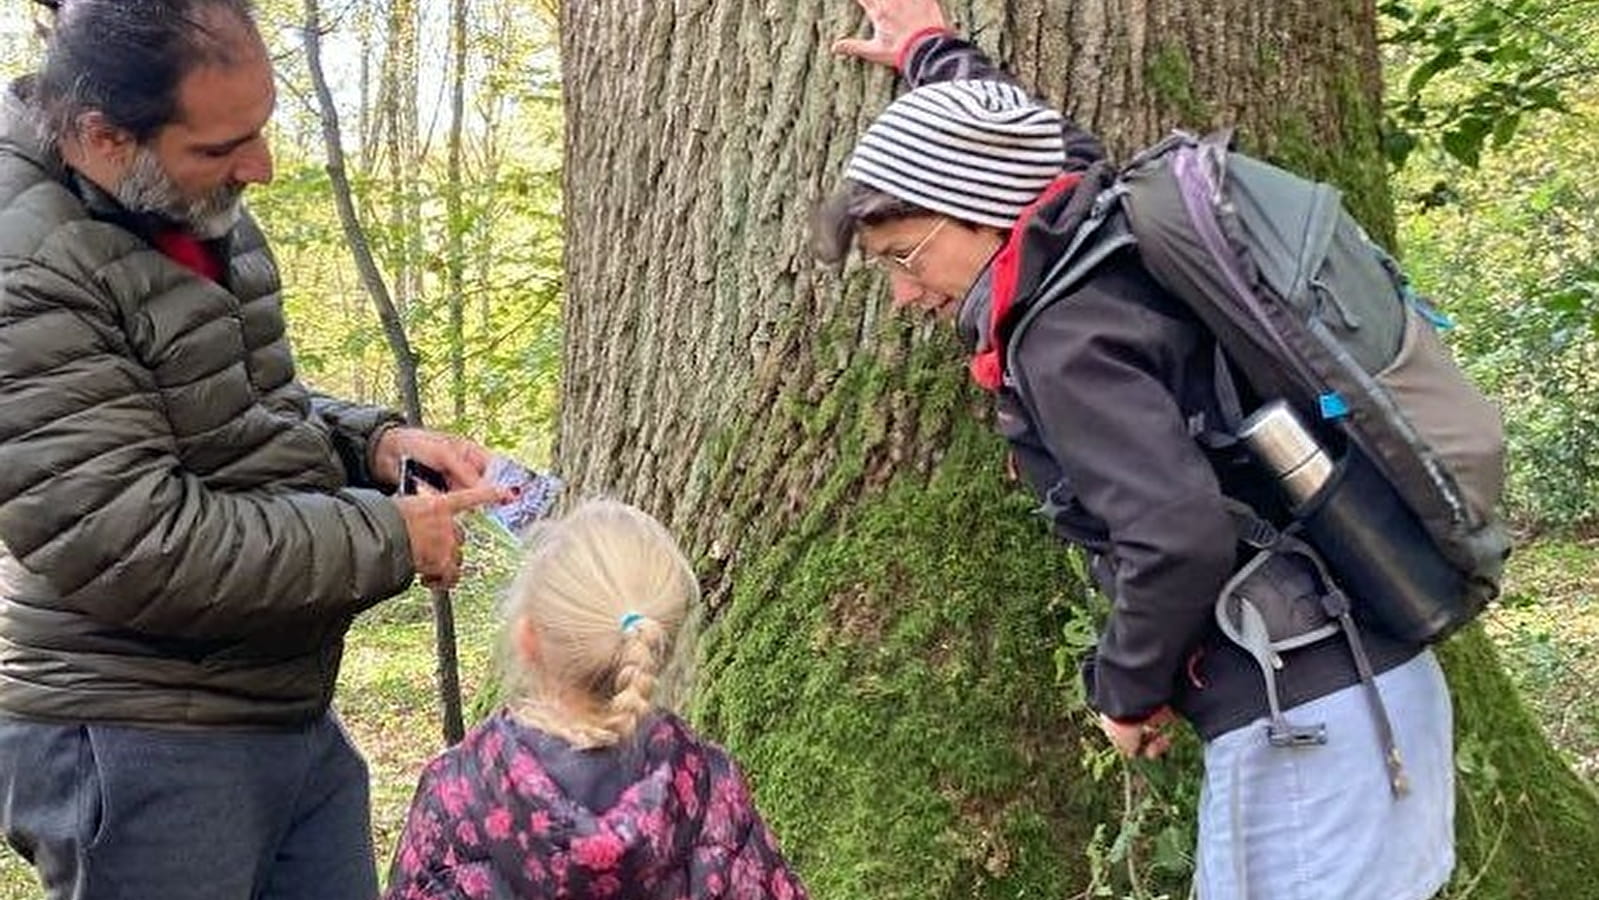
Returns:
(125,58)
(836,221)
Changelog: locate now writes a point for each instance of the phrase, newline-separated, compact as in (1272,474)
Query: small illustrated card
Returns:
(535,495)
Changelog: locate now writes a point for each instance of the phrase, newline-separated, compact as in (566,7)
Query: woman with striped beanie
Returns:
(968,192)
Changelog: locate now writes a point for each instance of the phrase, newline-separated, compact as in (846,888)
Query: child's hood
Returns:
(572,817)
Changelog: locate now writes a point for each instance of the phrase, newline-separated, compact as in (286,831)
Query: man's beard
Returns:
(146,188)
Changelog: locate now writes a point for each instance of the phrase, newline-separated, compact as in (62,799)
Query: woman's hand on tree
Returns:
(893,23)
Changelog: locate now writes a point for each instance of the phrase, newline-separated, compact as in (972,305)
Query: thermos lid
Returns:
(1276,436)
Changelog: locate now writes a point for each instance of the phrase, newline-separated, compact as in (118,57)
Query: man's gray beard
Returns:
(146,188)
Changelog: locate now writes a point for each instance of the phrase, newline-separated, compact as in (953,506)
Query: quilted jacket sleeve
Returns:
(1099,368)
(94,500)
(355,429)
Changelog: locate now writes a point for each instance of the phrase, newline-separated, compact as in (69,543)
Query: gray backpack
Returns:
(1307,310)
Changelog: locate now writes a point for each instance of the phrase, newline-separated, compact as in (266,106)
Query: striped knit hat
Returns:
(979,151)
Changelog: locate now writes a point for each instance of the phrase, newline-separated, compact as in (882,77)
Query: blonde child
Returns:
(580,787)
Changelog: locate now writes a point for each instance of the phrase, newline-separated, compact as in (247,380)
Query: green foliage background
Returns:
(1498,221)
(510,221)
(1492,116)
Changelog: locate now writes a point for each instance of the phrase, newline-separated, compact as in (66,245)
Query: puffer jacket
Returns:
(513,813)
(187,531)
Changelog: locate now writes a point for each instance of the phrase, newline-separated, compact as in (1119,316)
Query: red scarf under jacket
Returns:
(988,364)
(190,252)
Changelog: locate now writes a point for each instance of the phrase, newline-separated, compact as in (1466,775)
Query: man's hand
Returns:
(893,23)
(435,537)
(462,461)
(1147,738)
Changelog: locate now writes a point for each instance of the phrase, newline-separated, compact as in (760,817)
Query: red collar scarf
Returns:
(190,252)
(988,364)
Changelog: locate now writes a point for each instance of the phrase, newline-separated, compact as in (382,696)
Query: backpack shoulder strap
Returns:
(1100,236)
(1223,433)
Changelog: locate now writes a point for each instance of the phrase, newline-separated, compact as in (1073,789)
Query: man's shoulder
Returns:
(43,223)
(33,204)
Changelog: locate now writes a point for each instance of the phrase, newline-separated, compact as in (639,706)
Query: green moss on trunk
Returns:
(887,674)
(1527,826)
(891,681)
(1171,80)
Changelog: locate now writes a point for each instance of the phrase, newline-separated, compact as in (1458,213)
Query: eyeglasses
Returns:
(905,262)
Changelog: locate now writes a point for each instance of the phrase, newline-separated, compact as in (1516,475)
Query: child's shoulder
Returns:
(483,745)
(670,733)
(665,737)
(667,728)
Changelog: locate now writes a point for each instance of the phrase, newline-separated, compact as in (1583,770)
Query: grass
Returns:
(1547,630)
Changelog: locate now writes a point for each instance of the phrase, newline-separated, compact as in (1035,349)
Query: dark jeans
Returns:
(104,811)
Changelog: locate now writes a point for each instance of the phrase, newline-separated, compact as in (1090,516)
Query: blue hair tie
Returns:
(631,622)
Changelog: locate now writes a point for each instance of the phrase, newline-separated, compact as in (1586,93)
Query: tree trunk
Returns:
(364,117)
(496,22)
(401,154)
(882,612)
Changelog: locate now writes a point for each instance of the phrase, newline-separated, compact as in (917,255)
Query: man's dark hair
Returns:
(836,221)
(126,58)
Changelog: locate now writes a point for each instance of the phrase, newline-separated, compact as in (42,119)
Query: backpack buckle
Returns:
(1282,733)
(1254,531)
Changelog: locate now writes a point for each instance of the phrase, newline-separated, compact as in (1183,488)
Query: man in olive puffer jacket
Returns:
(186,532)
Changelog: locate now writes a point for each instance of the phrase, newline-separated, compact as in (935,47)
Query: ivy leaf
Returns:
(1505,130)
(1443,61)
(1566,302)
(1171,851)
(1395,10)
(1544,96)
(1512,52)
(1464,141)
(1397,144)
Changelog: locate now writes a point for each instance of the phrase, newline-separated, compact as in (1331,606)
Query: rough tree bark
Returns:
(881,611)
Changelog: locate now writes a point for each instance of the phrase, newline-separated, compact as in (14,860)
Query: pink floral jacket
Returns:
(513,812)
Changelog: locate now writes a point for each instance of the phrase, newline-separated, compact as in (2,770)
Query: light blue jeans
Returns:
(105,811)
(1319,823)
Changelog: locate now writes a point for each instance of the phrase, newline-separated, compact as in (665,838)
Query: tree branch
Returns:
(449,679)
(354,233)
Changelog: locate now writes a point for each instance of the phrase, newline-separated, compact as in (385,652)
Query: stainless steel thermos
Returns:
(1283,445)
(1374,544)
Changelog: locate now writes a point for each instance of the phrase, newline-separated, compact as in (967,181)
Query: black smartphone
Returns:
(414,474)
